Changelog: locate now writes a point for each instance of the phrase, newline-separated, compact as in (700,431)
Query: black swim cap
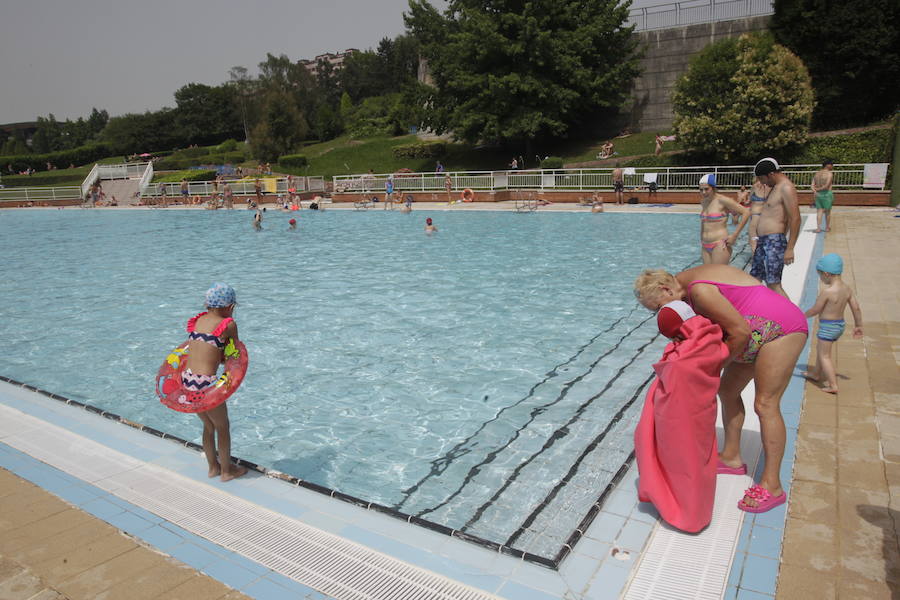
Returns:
(766,166)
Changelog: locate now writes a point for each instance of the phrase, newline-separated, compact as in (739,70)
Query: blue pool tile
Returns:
(606,527)
(607,583)
(730,593)
(160,538)
(620,503)
(247,563)
(297,589)
(194,555)
(81,494)
(591,547)
(634,535)
(101,508)
(749,595)
(230,574)
(515,591)
(577,570)
(759,575)
(744,538)
(129,522)
(737,568)
(645,512)
(792,420)
(136,510)
(773,518)
(263,589)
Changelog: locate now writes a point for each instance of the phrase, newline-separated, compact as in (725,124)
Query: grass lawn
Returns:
(57,177)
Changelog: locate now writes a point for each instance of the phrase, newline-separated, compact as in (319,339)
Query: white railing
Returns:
(40,194)
(121,171)
(692,12)
(846,177)
(93,176)
(239,187)
(146,177)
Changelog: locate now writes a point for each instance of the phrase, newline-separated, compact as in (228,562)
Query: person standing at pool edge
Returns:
(208,333)
(765,333)
(389,192)
(778,226)
(618,177)
(821,187)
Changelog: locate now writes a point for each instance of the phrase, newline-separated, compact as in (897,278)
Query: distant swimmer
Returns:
(257,220)
(292,224)
(429,226)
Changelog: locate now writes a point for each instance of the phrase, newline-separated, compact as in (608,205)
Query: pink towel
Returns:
(675,440)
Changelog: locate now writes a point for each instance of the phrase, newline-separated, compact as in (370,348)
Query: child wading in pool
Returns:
(830,306)
(209,331)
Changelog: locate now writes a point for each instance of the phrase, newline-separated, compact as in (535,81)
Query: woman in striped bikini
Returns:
(715,241)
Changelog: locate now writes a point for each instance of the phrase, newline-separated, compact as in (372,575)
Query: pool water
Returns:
(487,377)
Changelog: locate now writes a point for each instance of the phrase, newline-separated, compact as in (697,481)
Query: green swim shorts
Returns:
(824,199)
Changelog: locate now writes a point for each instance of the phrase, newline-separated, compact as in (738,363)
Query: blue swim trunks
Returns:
(768,260)
(830,329)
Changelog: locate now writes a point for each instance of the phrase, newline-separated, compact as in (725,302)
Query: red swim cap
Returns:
(428,221)
(293,221)
(671,316)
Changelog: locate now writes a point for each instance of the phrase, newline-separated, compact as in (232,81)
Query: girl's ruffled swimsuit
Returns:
(195,381)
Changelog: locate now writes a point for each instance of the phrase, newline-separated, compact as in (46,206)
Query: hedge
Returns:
(427,150)
(78,156)
(293,160)
(189,175)
(174,163)
(552,162)
(229,145)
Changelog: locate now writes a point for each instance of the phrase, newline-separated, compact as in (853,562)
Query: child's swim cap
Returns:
(672,315)
(831,263)
(220,295)
(428,221)
(708,179)
(293,221)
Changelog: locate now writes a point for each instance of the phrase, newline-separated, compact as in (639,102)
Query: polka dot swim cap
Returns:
(220,295)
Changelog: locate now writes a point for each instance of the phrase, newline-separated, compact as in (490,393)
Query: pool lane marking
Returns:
(440,464)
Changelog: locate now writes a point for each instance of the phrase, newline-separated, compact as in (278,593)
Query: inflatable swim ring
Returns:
(171,390)
(468,195)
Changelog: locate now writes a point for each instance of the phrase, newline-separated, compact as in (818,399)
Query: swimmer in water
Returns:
(257,220)
(292,224)
(429,227)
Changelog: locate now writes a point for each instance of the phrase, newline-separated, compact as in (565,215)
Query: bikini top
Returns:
(712,216)
(755,198)
(209,338)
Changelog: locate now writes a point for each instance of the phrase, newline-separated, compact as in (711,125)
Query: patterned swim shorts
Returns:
(762,331)
(768,260)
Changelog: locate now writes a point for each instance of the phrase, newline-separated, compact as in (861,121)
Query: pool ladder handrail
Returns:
(526,202)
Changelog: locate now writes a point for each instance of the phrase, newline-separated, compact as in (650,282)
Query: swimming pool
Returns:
(487,378)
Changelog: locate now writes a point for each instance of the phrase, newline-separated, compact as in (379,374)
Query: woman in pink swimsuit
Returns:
(765,333)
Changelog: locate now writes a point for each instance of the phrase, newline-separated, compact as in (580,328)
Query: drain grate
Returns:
(315,558)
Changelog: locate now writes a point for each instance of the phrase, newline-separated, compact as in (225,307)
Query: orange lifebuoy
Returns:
(171,390)
(468,195)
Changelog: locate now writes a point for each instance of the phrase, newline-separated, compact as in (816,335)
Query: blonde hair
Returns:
(649,284)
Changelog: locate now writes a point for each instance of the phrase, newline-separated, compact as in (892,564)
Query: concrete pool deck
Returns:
(838,545)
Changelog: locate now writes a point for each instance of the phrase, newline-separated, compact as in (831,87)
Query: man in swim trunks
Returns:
(765,334)
(618,177)
(821,187)
(778,225)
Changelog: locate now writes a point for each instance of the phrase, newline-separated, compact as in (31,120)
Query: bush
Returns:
(229,145)
(552,162)
(426,150)
(174,163)
(295,161)
(188,175)
(762,107)
(862,147)
(63,158)
(192,152)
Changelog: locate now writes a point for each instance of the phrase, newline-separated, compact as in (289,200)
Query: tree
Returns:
(147,132)
(207,115)
(852,51)
(742,99)
(508,70)
(280,129)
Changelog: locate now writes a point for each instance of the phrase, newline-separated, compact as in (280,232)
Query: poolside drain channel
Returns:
(323,561)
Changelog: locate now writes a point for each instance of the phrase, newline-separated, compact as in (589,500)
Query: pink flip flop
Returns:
(765,500)
(723,469)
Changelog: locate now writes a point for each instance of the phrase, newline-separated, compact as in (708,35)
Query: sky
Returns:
(68,56)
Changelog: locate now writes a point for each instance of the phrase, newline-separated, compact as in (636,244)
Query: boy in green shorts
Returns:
(821,186)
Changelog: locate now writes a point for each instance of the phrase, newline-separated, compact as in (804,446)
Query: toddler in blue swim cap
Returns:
(830,306)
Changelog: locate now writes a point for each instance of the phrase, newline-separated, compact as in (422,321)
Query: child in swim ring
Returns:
(208,333)
(429,227)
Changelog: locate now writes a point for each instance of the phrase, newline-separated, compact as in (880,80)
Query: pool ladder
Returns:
(526,202)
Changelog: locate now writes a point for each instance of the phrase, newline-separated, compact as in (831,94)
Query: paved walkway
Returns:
(50,550)
(841,537)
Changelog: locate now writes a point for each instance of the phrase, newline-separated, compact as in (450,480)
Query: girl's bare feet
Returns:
(214,471)
(233,473)
(810,375)
(829,390)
